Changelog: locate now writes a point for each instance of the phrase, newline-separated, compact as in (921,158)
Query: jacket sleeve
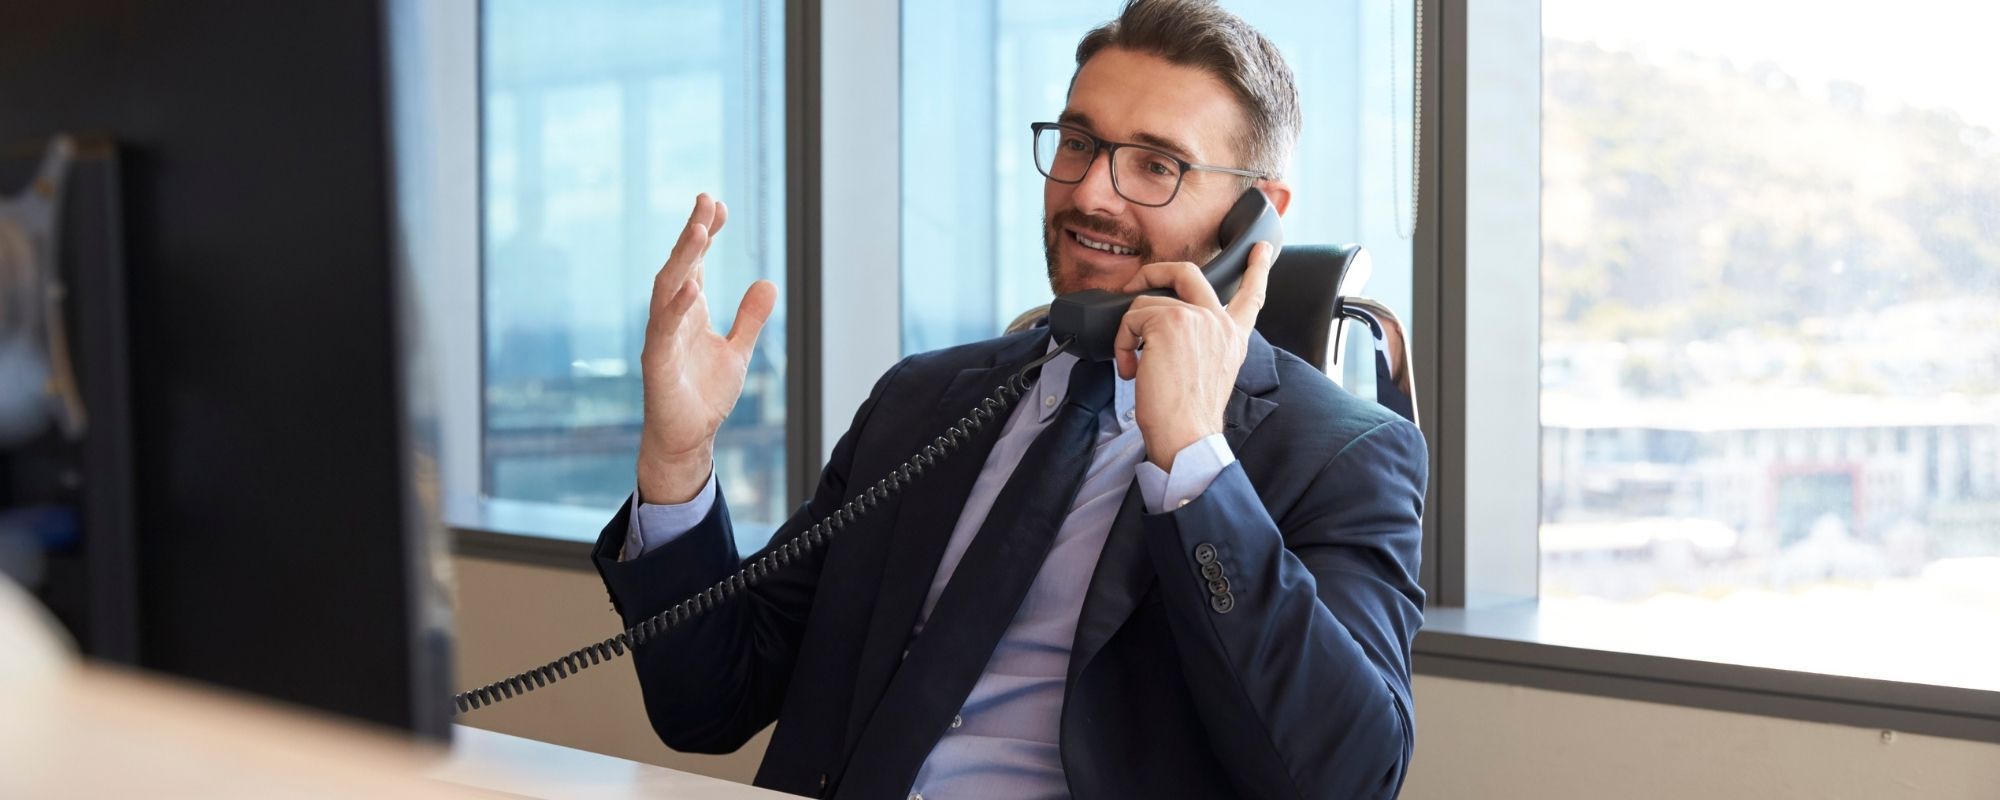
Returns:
(714,682)
(1295,633)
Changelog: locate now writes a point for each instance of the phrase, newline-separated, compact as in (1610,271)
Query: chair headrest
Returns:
(1299,304)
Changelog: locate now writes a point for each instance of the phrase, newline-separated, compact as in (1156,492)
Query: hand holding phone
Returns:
(1176,313)
(692,375)
(1193,346)
(1091,316)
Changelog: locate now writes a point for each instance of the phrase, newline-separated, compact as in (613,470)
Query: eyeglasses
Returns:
(1144,175)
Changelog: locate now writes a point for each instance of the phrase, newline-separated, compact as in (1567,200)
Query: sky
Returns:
(1930,53)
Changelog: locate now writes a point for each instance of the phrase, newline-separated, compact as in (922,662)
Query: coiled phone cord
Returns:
(991,408)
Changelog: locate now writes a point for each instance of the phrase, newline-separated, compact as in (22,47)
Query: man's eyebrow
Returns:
(1163,143)
(1077,118)
(1170,145)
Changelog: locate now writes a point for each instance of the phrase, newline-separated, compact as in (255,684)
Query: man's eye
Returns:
(1075,143)
(1161,169)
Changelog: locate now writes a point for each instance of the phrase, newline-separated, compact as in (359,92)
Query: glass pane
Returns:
(972,198)
(1771,417)
(603,120)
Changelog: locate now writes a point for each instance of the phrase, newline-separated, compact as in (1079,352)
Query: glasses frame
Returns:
(1110,150)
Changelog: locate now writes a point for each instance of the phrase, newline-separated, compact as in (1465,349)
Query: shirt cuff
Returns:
(1194,468)
(651,526)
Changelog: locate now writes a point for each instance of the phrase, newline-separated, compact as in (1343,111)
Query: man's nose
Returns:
(1096,194)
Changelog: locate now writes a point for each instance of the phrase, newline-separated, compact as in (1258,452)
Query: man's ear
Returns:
(1279,191)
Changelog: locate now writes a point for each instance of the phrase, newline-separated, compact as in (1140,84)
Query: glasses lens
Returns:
(1063,155)
(1145,176)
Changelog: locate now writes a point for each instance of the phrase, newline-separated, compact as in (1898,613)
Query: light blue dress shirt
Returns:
(1003,743)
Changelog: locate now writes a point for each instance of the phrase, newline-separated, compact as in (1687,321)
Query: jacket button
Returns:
(1222,603)
(822,781)
(1210,571)
(1219,586)
(1204,554)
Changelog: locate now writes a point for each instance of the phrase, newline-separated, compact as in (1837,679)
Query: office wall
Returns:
(1476,740)
(511,616)
(1488,740)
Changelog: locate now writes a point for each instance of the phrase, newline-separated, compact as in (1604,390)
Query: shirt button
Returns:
(916,796)
(1129,413)
(1047,402)
(957,721)
(1184,502)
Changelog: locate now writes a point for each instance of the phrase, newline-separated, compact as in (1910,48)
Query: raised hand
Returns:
(693,376)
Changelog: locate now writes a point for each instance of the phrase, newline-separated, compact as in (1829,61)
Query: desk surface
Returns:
(503,763)
(72,731)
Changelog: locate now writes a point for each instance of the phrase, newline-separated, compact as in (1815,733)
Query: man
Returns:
(1200,582)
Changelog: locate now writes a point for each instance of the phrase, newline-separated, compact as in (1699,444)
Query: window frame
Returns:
(843,265)
(560,536)
(1481,549)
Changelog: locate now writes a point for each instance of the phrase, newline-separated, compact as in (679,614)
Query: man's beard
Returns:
(1071,218)
(1141,246)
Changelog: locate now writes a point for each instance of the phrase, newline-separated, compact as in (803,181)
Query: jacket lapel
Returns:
(1124,574)
(922,524)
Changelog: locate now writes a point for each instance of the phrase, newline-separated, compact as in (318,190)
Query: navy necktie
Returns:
(982,597)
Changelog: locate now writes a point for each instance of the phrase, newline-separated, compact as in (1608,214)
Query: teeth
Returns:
(1105,246)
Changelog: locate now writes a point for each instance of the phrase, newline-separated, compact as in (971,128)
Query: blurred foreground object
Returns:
(66,722)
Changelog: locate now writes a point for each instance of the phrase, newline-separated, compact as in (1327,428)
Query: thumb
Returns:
(1249,299)
(751,314)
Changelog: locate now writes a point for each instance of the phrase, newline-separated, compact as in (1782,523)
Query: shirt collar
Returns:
(1053,386)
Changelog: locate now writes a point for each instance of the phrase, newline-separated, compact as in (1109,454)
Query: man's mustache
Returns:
(1072,218)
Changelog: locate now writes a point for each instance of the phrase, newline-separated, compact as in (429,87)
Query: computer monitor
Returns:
(275,544)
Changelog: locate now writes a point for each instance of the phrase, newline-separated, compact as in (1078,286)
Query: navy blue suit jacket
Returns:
(1297,686)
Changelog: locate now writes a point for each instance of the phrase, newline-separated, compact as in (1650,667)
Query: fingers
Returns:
(683,300)
(1184,278)
(720,216)
(673,275)
(751,315)
(718,213)
(1132,331)
(1249,299)
(683,265)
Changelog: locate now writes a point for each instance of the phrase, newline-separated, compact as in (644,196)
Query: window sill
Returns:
(1507,644)
(1512,644)
(525,533)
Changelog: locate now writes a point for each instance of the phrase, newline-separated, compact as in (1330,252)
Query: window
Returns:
(1770,411)
(977,73)
(601,122)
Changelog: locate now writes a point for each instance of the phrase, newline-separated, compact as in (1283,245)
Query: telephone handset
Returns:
(1085,323)
(1091,316)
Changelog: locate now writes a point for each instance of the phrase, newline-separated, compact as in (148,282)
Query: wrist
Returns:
(674,479)
(1162,448)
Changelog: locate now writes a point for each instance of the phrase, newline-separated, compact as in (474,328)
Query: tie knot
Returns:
(1090,385)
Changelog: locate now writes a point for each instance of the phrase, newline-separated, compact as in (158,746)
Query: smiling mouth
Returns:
(1099,245)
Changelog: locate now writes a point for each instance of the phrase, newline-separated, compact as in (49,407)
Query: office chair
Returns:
(1314,290)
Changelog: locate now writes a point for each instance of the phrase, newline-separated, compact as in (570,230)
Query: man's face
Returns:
(1123,96)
